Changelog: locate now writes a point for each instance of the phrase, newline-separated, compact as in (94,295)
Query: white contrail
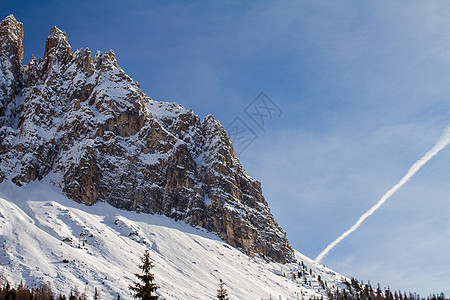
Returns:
(441,144)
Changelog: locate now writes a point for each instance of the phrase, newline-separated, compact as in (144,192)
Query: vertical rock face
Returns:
(80,122)
(11,54)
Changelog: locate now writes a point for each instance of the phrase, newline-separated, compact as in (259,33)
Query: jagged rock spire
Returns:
(57,46)
(11,55)
(11,36)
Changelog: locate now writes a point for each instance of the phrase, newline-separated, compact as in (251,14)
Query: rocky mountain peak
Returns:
(11,36)
(11,55)
(108,61)
(57,46)
(85,126)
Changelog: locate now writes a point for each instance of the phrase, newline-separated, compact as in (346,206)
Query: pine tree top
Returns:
(222,291)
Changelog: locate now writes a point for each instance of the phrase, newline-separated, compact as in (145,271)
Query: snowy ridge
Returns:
(46,237)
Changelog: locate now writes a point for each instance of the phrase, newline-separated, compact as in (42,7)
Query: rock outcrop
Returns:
(11,55)
(80,122)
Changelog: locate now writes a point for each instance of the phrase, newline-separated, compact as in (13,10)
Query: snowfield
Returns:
(45,237)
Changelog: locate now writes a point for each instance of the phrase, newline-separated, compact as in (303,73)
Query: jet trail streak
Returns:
(441,144)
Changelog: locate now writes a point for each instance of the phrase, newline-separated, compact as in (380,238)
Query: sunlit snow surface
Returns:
(46,237)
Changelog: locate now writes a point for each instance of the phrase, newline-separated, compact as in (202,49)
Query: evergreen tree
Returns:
(222,291)
(145,289)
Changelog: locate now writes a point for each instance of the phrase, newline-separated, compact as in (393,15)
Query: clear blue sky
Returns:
(364,87)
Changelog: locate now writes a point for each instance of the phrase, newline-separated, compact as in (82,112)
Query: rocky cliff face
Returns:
(77,120)
(11,54)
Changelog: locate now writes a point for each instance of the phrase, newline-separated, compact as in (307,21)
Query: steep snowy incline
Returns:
(45,237)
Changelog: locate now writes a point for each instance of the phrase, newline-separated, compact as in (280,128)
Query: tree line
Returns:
(360,291)
(145,288)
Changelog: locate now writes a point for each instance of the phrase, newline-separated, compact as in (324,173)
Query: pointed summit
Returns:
(57,33)
(11,55)
(11,36)
(58,45)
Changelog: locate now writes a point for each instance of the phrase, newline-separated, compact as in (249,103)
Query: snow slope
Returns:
(45,237)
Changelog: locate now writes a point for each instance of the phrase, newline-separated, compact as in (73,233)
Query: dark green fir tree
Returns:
(146,287)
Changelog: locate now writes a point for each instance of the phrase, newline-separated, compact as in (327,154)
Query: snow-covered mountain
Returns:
(82,124)
(93,171)
(46,237)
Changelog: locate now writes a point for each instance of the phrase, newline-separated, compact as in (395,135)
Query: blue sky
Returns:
(364,88)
